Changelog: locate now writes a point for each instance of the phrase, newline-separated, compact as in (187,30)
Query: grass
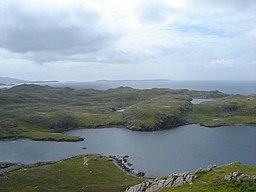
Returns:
(213,181)
(225,111)
(70,175)
(47,136)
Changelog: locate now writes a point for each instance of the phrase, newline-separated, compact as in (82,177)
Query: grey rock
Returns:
(240,177)
(228,177)
(178,181)
(189,178)
(199,170)
(235,174)
(169,182)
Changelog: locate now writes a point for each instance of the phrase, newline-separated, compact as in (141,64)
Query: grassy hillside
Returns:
(234,109)
(70,175)
(213,181)
(43,112)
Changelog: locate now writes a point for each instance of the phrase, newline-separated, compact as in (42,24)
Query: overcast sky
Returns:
(128,39)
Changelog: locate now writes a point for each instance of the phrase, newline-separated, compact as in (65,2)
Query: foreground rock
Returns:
(175,179)
(172,180)
(240,177)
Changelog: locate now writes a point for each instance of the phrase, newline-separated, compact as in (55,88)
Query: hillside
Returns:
(99,173)
(41,112)
(89,173)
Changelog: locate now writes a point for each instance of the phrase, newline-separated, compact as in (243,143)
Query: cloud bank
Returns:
(181,40)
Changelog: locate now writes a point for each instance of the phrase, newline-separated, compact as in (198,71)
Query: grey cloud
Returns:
(53,32)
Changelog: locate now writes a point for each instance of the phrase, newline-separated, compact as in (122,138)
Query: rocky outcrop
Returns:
(124,164)
(172,180)
(169,122)
(240,177)
(207,169)
(164,122)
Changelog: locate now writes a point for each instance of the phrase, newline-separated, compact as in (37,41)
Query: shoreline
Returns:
(14,138)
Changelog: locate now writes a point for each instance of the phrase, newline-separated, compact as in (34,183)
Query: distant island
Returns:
(103,80)
(44,112)
(12,81)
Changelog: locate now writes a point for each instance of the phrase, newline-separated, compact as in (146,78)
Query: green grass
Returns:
(47,136)
(213,181)
(225,111)
(148,113)
(70,175)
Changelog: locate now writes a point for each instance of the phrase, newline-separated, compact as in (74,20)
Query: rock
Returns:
(189,178)
(240,177)
(125,160)
(235,174)
(153,188)
(172,180)
(178,181)
(86,160)
(141,174)
(169,182)
(212,166)
(140,187)
(199,170)
(228,177)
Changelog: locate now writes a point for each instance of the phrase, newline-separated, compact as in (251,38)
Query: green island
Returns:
(44,112)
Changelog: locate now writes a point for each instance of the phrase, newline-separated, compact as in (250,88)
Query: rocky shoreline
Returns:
(125,165)
(157,127)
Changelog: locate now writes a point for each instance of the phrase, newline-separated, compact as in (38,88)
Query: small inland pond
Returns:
(157,153)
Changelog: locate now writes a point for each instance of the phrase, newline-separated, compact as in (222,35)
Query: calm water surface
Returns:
(156,153)
(197,101)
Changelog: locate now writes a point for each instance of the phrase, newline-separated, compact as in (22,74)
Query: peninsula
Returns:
(44,112)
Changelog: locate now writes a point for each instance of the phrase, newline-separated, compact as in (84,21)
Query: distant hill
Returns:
(8,80)
(103,80)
